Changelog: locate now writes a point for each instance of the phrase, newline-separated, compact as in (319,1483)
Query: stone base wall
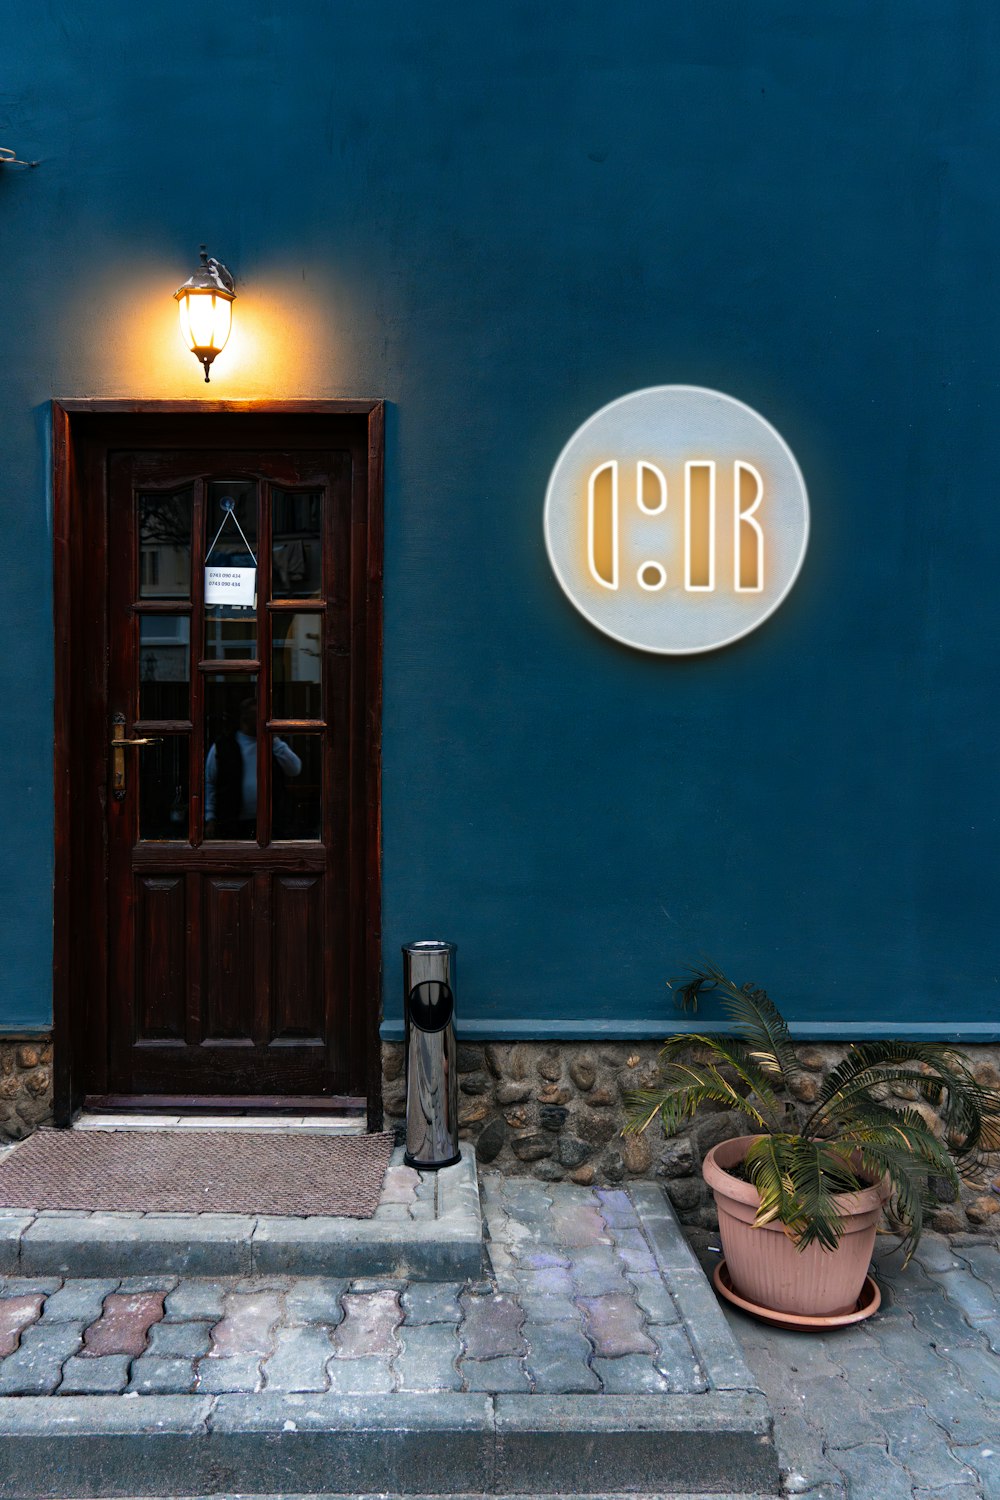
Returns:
(25,1087)
(557,1111)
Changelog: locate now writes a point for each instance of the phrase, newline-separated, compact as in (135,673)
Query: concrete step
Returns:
(438,1444)
(589,1357)
(430,1229)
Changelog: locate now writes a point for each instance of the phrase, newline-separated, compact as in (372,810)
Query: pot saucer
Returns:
(869,1302)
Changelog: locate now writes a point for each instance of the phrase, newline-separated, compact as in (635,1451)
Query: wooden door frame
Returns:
(83,431)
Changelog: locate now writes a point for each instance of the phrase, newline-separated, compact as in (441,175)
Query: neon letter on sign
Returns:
(676,519)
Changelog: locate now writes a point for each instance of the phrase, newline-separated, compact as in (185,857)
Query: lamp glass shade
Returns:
(206,319)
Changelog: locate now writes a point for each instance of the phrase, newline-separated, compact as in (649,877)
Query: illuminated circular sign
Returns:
(676,519)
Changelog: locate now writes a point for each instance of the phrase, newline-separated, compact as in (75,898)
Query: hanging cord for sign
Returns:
(230,510)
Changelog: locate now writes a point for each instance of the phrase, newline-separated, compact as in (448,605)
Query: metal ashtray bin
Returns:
(431,1074)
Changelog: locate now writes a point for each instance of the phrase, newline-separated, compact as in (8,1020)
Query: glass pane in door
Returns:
(163,787)
(164,667)
(231,569)
(231,756)
(296,544)
(165,545)
(297,665)
(296,786)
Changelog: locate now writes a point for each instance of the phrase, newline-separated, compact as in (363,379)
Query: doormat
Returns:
(197,1172)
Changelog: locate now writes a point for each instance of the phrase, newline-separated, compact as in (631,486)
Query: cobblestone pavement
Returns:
(575,1305)
(903,1407)
(906,1405)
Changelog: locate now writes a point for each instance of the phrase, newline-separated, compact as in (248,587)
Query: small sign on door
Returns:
(231,586)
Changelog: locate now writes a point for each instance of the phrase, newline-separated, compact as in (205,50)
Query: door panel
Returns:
(233,651)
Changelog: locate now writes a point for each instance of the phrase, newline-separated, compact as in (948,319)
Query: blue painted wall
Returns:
(500,216)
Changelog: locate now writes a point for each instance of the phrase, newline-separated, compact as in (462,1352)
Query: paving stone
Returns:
(598,1270)
(180,1340)
(16,1314)
(954,1492)
(615,1207)
(653,1298)
(396,1284)
(156,1376)
(315,1299)
(557,1359)
(942,1320)
(920,1446)
(240,1372)
(370,1321)
(629,1375)
(360,1377)
(547,1307)
(495,1376)
(124,1324)
(984,1460)
(247,1325)
(77,1301)
(577,1225)
(676,1360)
(399,1186)
(257,1284)
(934,1253)
(105,1376)
(35,1367)
(875,1382)
(196,1299)
(30,1286)
(163,1284)
(973,1297)
(545,1260)
(801,1446)
(846,1411)
(491,1327)
(871,1473)
(614,1326)
(634,1254)
(553,1280)
(428,1358)
(431,1302)
(979,1369)
(299,1360)
(984,1260)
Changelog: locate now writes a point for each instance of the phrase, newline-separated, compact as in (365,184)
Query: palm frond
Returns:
(730,1052)
(757,1022)
(798,1181)
(684,1088)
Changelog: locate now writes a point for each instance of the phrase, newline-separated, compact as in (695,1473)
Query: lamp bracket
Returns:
(9,158)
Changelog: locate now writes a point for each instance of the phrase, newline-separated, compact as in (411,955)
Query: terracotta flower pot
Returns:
(764,1264)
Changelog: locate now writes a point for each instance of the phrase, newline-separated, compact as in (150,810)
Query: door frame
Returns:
(83,433)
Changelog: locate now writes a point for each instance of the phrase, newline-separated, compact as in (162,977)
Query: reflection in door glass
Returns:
(165,546)
(231,548)
(296,787)
(231,758)
(164,667)
(296,681)
(163,788)
(296,547)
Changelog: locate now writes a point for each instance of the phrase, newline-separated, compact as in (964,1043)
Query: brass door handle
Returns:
(118,744)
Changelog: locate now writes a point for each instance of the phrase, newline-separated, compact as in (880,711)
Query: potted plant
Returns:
(799,1202)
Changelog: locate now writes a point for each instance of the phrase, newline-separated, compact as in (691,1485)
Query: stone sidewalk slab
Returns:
(428,1227)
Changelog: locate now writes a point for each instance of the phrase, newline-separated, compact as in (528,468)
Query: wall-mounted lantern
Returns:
(205,302)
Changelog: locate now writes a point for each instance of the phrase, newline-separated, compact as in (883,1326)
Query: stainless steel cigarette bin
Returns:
(431,1074)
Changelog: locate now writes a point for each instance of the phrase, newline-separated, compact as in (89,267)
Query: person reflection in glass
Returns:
(231,778)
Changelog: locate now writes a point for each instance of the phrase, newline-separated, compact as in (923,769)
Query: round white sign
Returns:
(676,519)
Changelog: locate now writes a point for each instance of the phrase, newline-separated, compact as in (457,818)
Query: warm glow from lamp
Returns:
(205,303)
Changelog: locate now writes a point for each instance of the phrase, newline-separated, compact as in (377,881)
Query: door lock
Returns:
(118,747)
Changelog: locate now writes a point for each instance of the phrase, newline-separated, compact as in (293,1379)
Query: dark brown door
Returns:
(232,835)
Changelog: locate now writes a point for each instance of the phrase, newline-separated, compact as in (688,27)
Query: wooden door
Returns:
(232,836)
